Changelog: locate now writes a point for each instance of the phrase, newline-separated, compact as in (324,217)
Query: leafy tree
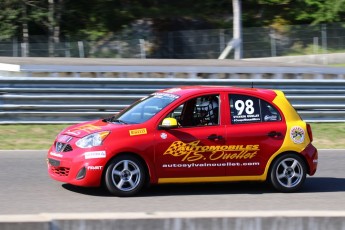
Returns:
(98,19)
(10,11)
(19,15)
(322,11)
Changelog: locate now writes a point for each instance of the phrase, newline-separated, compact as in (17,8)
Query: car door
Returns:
(256,132)
(185,152)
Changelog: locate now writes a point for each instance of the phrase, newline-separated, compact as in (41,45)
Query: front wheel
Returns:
(288,173)
(125,176)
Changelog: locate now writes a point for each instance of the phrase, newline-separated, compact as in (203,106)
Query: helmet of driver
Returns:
(207,112)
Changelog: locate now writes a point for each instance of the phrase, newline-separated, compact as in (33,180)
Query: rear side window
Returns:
(247,109)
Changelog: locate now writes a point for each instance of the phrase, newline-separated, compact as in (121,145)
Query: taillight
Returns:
(310,133)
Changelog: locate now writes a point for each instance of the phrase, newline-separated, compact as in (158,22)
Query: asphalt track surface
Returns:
(25,188)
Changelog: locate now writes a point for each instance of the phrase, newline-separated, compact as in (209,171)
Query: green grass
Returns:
(329,135)
(40,137)
(16,137)
(337,65)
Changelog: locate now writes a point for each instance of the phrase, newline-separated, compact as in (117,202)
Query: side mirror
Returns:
(168,123)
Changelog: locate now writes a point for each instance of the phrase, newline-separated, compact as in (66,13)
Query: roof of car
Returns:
(191,90)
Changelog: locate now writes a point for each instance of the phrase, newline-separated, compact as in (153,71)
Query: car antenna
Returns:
(252,84)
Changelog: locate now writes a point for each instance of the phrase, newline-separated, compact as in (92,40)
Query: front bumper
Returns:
(74,169)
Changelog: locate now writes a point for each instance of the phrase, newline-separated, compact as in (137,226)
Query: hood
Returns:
(84,129)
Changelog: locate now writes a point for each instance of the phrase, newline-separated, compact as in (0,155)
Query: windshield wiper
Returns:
(119,121)
(111,119)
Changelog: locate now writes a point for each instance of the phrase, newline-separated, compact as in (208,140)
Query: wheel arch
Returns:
(285,153)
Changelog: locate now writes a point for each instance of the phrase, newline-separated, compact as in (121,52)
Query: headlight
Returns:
(92,140)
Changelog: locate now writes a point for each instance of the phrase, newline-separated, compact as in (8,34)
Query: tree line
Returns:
(95,19)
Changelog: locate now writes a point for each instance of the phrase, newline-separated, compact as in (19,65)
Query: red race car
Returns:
(189,134)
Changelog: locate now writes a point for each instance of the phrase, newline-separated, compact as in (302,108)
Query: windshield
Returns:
(145,108)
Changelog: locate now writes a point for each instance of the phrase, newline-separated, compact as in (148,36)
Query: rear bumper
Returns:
(311,155)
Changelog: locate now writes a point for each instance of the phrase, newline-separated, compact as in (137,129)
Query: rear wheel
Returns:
(125,176)
(288,173)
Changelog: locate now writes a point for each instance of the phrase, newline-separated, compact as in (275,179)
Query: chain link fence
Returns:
(191,44)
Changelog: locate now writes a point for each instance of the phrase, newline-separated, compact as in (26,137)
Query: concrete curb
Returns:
(312,220)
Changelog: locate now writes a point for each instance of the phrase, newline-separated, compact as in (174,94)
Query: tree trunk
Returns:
(51,22)
(54,18)
(57,29)
(25,31)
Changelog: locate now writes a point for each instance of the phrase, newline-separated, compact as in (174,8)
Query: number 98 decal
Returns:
(246,106)
(245,109)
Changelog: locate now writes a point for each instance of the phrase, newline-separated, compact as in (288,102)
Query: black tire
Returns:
(288,173)
(125,176)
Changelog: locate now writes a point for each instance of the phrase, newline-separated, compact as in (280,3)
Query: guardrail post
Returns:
(318,76)
(67,49)
(142,48)
(99,74)
(273,43)
(297,76)
(278,76)
(256,75)
(25,49)
(81,49)
(169,75)
(15,47)
(324,42)
(192,75)
(316,45)
(54,74)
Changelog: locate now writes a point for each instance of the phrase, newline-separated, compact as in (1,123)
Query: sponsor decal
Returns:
(86,128)
(56,154)
(297,134)
(271,118)
(136,132)
(94,167)
(194,152)
(95,154)
(173,90)
(224,164)
(164,136)
(64,138)
(162,95)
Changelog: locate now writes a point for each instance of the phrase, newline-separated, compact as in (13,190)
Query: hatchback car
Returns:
(189,134)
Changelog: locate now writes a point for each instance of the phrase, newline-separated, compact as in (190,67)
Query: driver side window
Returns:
(199,111)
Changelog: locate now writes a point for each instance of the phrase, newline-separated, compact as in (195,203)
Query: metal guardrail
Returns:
(165,68)
(72,100)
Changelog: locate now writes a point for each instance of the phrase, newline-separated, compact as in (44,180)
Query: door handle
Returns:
(274,134)
(214,137)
